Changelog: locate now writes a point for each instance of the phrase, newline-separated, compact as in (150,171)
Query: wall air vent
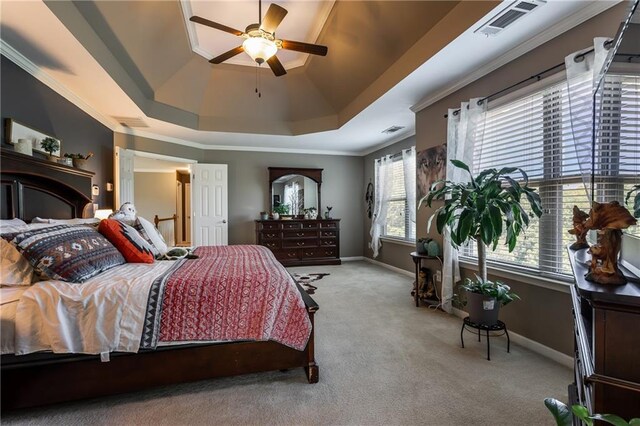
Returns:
(508,16)
(131,121)
(392,129)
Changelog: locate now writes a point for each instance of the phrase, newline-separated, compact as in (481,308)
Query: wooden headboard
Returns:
(33,187)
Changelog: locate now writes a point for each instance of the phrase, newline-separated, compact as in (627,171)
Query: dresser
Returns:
(300,242)
(607,345)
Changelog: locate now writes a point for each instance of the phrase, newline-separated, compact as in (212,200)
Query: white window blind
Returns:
(536,134)
(398,223)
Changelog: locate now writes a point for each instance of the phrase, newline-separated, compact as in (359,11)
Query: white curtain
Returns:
(409,170)
(464,128)
(382,194)
(584,71)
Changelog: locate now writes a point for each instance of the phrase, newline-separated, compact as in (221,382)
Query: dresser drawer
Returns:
(319,252)
(270,226)
(328,233)
(291,254)
(270,235)
(276,244)
(300,243)
(328,242)
(332,225)
(302,233)
(291,225)
(309,225)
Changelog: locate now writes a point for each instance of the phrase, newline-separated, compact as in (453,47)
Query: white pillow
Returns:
(78,221)
(150,233)
(12,226)
(15,269)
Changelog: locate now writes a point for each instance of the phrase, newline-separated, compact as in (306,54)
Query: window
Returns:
(398,220)
(535,133)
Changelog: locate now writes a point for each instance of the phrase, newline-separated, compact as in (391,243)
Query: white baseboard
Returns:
(393,268)
(532,345)
(352,258)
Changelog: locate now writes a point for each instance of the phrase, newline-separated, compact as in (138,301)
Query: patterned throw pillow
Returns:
(67,252)
(127,240)
(152,236)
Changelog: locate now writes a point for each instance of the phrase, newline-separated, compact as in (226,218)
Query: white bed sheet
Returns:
(9,297)
(104,314)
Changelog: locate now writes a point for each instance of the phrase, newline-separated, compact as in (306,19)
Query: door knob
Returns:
(224,221)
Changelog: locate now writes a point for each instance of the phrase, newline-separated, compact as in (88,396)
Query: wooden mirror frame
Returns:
(313,174)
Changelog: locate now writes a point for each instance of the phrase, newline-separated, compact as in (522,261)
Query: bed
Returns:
(32,187)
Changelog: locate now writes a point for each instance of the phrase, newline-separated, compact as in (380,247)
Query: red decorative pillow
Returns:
(127,240)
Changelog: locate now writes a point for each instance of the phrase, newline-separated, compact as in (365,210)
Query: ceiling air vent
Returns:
(508,16)
(131,121)
(392,129)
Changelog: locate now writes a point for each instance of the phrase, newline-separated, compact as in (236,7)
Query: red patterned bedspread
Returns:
(238,292)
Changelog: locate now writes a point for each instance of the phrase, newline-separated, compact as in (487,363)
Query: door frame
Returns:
(138,153)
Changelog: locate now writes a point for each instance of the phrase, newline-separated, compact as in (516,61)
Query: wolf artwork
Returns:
(431,165)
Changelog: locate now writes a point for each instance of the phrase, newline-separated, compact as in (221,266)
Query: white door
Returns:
(210,204)
(187,209)
(124,177)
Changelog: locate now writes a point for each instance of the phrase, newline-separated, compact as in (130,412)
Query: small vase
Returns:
(52,158)
(79,163)
(276,216)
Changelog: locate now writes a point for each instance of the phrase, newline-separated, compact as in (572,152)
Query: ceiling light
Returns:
(259,48)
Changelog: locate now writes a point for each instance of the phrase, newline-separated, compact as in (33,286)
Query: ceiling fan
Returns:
(260,42)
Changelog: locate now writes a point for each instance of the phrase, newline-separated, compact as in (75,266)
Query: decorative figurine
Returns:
(579,229)
(609,219)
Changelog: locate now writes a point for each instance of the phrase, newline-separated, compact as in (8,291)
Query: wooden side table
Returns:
(417,260)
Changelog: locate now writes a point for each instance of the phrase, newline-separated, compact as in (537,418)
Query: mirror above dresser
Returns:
(296,188)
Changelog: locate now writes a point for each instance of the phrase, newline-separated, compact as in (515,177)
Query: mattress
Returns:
(9,297)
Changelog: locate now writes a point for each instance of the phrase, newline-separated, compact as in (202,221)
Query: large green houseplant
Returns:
(483,209)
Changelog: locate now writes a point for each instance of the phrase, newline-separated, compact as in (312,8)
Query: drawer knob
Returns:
(300,244)
(300,234)
(291,254)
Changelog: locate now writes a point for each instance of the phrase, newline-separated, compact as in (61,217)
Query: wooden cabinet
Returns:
(607,345)
(301,242)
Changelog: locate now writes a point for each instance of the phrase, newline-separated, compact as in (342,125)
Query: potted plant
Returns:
(483,209)
(280,209)
(484,298)
(50,145)
(79,160)
(563,415)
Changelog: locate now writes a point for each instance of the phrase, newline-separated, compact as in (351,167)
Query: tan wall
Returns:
(155,194)
(342,185)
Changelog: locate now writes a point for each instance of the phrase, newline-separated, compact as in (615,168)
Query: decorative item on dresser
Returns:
(300,242)
(607,342)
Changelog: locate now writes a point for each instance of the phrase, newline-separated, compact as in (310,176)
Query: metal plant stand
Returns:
(499,326)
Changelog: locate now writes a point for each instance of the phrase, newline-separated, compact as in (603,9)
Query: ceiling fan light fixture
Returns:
(259,48)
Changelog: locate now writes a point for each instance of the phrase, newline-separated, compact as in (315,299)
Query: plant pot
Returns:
(79,163)
(52,158)
(420,247)
(482,309)
(276,216)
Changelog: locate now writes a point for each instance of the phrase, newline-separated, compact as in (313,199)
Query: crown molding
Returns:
(27,65)
(206,147)
(588,12)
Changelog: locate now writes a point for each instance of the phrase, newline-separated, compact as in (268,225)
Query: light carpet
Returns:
(382,362)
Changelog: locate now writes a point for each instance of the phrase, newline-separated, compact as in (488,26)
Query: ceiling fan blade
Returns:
(276,66)
(208,23)
(275,14)
(226,55)
(298,46)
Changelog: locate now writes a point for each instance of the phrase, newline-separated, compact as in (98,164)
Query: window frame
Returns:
(552,181)
(408,227)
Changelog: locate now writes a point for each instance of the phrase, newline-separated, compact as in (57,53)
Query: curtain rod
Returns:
(538,76)
(397,154)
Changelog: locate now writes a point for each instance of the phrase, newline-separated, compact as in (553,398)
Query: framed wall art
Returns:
(15,131)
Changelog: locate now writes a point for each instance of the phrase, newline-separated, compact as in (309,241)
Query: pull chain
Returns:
(258,82)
